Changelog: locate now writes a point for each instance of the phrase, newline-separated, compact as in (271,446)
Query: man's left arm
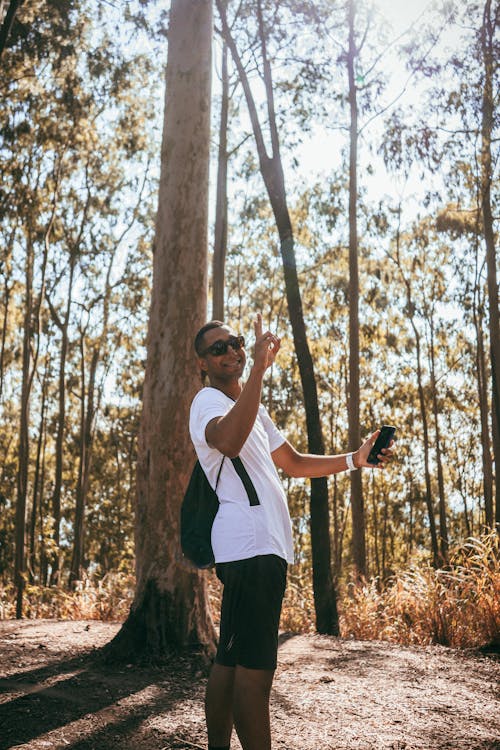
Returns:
(297,464)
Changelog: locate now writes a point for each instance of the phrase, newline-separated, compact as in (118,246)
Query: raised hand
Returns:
(266,345)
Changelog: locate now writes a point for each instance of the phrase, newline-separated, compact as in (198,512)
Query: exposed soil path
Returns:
(329,694)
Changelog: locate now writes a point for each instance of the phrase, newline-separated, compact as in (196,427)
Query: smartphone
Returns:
(383,440)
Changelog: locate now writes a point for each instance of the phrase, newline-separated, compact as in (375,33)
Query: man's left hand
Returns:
(360,456)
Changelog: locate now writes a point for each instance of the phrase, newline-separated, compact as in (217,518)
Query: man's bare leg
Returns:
(219,705)
(252,690)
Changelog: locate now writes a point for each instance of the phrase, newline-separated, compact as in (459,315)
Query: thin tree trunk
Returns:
(90,405)
(38,474)
(6,302)
(353,405)
(410,528)
(443,522)
(220,229)
(31,335)
(171,607)
(376,541)
(61,423)
(487,37)
(272,174)
(86,422)
(8,22)
(23,455)
(482,389)
(425,429)
(384,539)
(410,311)
(43,557)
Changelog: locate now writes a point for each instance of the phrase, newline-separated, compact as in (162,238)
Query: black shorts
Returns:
(250,612)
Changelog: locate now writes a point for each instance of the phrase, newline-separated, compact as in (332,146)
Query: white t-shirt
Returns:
(241,530)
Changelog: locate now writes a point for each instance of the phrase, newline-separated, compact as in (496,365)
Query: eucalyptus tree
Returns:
(259,36)
(221,208)
(490,53)
(354,49)
(170,607)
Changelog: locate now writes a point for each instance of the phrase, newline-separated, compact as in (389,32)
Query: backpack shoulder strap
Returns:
(247,482)
(218,473)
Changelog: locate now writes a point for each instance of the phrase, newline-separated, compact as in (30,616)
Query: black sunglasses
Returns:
(220,347)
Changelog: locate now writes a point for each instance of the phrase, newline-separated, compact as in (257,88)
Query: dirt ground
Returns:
(329,694)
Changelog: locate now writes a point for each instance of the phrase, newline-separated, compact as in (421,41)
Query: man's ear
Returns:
(203,368)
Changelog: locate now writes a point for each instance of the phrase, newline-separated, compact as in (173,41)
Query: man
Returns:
(252,541)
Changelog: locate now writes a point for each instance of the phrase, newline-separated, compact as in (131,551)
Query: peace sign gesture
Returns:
(266,346)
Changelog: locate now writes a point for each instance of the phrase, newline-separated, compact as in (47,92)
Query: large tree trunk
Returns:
(272,173)
(487,43)
(171,608)
(357,503)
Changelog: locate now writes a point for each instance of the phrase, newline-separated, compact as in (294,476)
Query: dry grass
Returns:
(108,599)
(458,606)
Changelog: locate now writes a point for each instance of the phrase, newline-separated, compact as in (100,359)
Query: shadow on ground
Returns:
(83,703)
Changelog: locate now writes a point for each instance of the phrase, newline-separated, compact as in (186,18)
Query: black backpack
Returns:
(199,508)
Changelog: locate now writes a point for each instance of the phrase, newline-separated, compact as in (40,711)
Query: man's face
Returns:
(226,366)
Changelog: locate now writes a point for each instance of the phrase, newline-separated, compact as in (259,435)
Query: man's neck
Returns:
(231,388)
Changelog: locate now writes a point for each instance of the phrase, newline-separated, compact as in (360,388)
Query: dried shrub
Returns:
(458,606)
(108,599)
(298,615)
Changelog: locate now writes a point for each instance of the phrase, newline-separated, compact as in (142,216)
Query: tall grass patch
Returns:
(458,605)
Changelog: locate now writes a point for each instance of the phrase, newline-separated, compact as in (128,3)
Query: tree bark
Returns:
(31,344)
(61,422)
(410,305)
(171,608)
(487,45)
(7,291)
(443,522)
(220,229)
(23,455)
(8,22)
(38,479)
(482,393)
(353,404)
(87,412)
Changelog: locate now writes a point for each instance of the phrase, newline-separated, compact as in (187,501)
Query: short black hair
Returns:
(198,339)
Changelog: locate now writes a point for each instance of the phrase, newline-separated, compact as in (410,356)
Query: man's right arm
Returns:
(229,433)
